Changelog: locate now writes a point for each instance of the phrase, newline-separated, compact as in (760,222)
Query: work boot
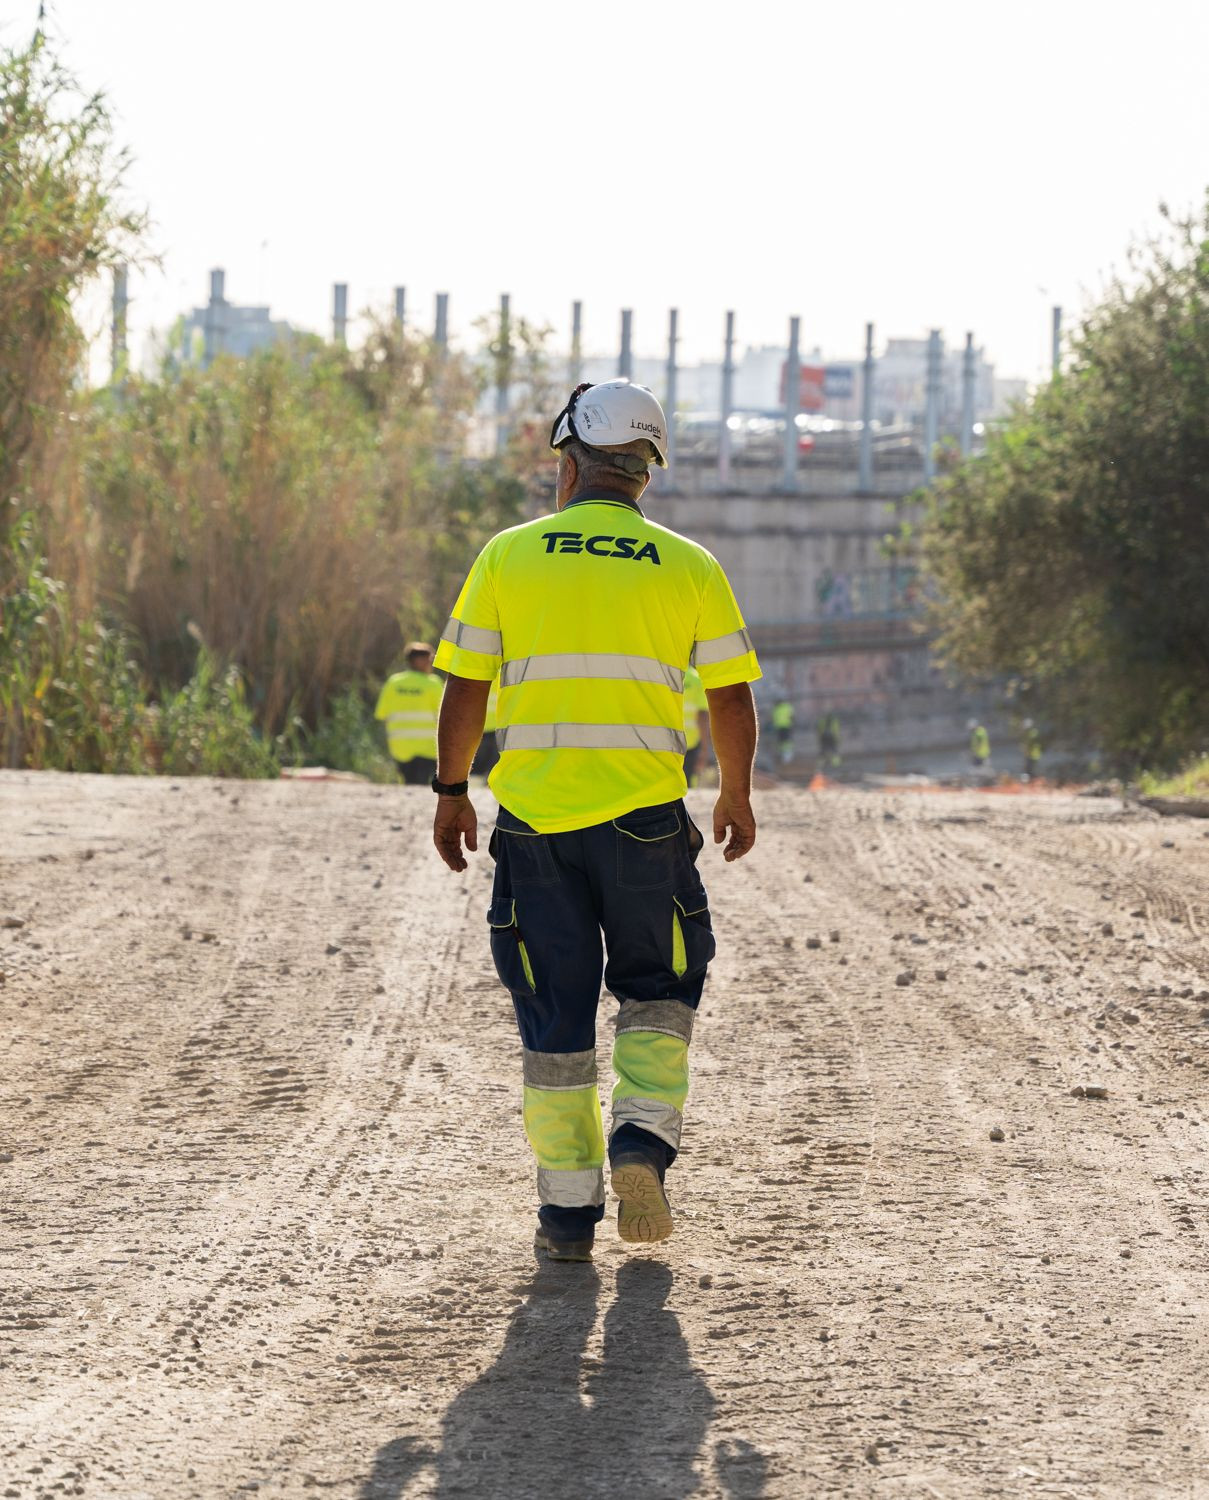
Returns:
(557,1249)
(643,1215)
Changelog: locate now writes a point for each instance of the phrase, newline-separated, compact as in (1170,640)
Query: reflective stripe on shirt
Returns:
(722,648)
(471,638)
(590,737)
(591,664)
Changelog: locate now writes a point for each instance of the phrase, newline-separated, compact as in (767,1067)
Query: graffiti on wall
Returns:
(867,593)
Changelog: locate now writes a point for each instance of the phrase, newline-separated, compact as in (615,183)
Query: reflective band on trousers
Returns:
(663,1120)
(671,1017)
(591,737)
(471,638)
(722,648)
(560,1070)
(583,1188)
(599,664)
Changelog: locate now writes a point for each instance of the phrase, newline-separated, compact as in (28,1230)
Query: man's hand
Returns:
(733,815)
(455,819)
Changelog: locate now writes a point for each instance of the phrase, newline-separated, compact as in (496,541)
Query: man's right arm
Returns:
(732,721)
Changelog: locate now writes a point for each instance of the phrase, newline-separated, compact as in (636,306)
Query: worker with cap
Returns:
(782,723)
(591,618)
(409,704)
(980,744)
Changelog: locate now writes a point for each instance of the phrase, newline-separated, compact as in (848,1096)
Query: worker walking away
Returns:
(488,752)
(782,724)
(980,744)
(409,703)
(696,726)
(1030,745)
(828,730)
(591,618)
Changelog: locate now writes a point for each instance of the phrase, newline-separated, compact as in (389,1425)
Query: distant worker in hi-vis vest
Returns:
(591,618)
(409,704)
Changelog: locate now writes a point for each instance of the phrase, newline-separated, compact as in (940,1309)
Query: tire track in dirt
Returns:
(297,1256)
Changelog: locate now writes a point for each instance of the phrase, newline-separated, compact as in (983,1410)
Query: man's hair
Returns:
(596,468)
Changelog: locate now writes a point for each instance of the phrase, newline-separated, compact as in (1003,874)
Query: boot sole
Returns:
(643,1215)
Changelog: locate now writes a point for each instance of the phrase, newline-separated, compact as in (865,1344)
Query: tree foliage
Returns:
(1071,559)
(61,221)
(301,512)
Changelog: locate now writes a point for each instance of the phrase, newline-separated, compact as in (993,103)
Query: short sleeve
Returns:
(471,644)
(723,653)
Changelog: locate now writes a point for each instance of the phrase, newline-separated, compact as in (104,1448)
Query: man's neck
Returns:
(599,492)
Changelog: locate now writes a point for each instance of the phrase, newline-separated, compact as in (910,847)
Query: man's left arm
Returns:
(459,730)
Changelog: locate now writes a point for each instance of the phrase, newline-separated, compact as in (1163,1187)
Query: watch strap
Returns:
(450,788)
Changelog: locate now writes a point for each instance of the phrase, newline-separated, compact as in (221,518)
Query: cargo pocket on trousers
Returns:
(508,948)
(693,943)
(647,845)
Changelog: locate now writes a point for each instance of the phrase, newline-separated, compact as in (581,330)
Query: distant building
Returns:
(223,328)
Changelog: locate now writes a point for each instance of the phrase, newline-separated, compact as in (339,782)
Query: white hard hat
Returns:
(610,414)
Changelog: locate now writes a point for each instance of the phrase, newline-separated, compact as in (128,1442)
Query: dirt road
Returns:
(265,1206)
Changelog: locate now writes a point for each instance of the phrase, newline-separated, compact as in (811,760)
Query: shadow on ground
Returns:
(543,1420)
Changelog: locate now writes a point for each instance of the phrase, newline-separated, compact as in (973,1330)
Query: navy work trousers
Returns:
(622,900)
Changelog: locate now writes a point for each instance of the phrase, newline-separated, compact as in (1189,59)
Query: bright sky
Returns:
(959,164)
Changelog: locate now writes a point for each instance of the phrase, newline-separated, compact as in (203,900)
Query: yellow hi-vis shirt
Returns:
(591,618)
(410,703)
(695,702)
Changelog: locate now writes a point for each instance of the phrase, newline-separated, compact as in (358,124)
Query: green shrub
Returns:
(347,738)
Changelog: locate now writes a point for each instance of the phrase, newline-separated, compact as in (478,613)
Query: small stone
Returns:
(825,1335)
(814,942)
(6,1156)
(905,978)
(12,922)
(1096,1091)
(1130,1017)
(1078,1092)
(332,948)
(1126,1254)
(379,989)
(871,1450)
(807,879)
(942,974)
(834,934)
(787,942)
(996,1133)
(705,1281)
(1106,929)
(1168,843)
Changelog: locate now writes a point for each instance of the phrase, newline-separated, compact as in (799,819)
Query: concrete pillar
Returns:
(728,401)
(215,318)
(669,403)
(1056,355)
(793,391)
(440,336)
(865,482)
(932,405)
(968,377)
(625,365)
(117,346)
(576,361)
(340,313)
(503,373)
(401,307)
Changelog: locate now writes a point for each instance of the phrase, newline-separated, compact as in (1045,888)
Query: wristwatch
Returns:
(450,788)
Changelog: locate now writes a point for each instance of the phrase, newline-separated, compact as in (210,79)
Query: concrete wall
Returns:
(836,624)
